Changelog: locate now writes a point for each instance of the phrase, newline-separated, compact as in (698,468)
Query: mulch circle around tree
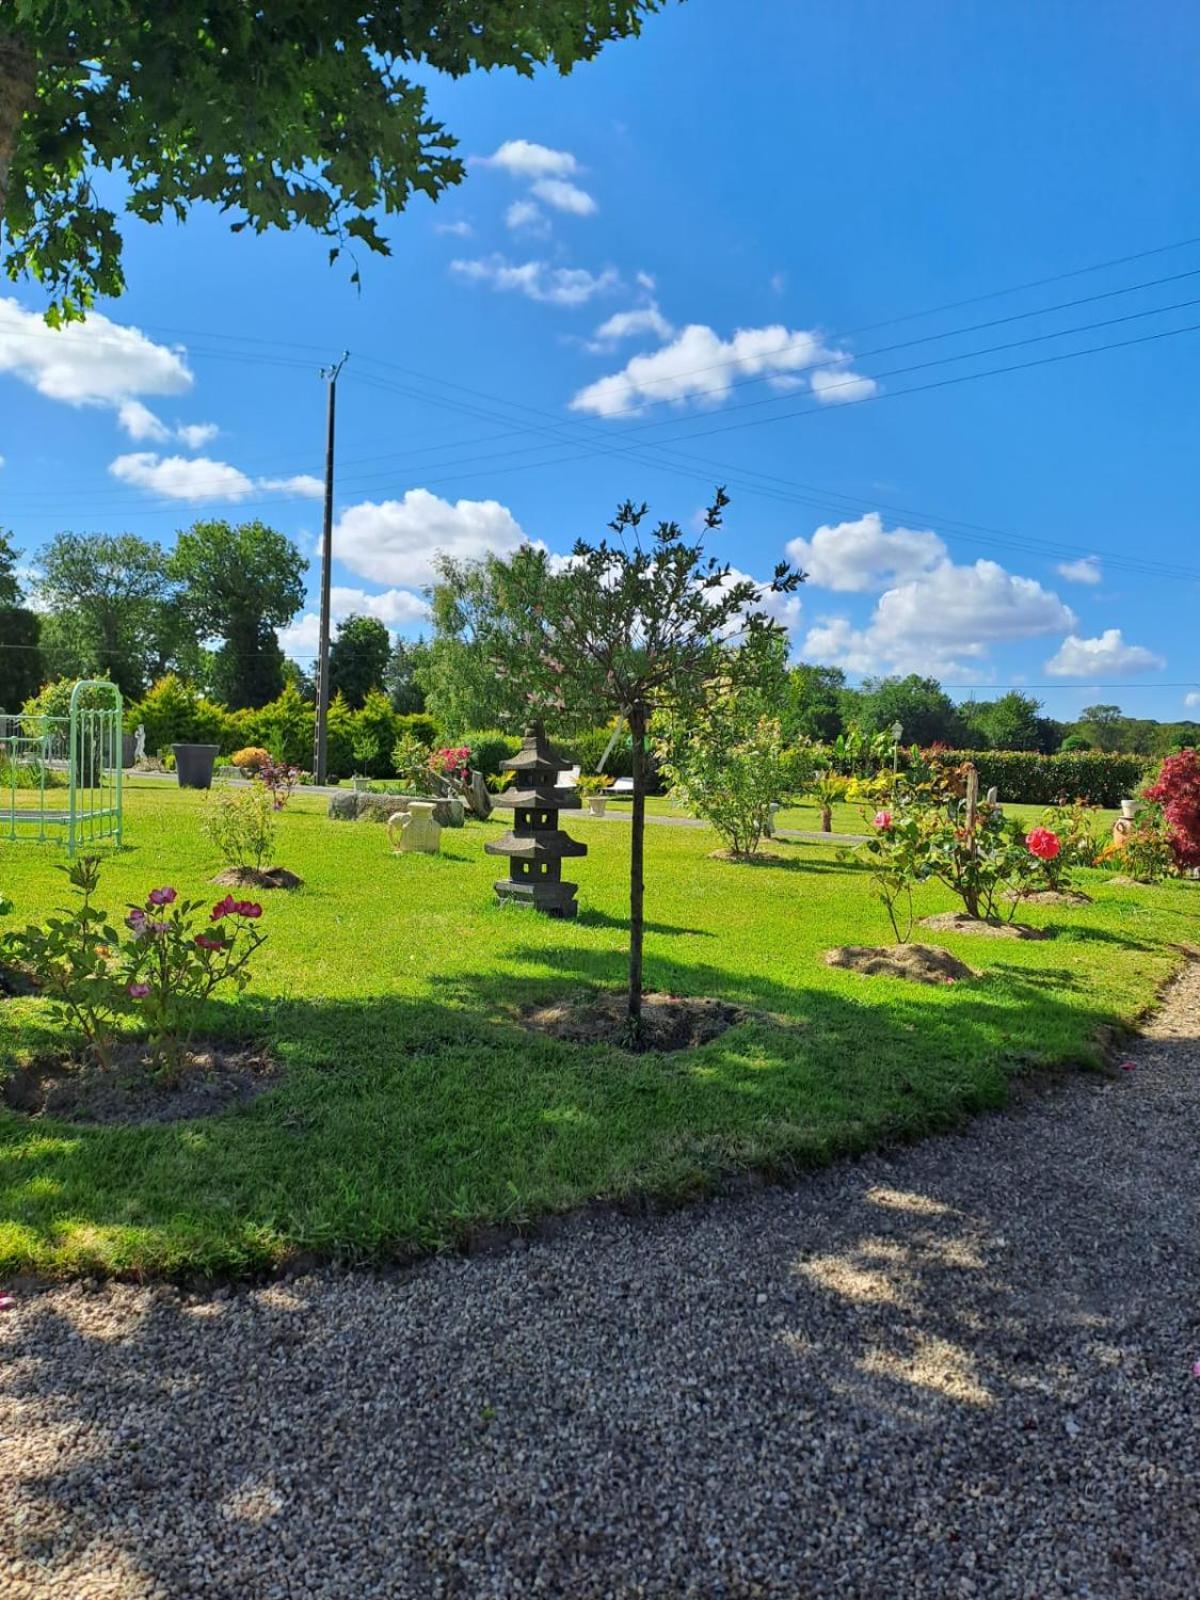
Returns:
(669,1021)
(960,922)
(15,982)
(922,963)
(258,878)
(214,1078)
(756,858)
(1051,897)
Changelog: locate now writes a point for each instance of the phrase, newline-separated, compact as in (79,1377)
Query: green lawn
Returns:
(804,815)
(414,1107)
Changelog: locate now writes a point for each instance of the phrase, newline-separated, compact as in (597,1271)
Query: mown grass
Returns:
(413,1105)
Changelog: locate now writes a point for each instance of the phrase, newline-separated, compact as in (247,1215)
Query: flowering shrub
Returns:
(1043,844)
(162,968)
(279,780)
(727,762)
(240,824)
(452,762)
(1145,853)
(411,760)
(1177,789)
(251,760)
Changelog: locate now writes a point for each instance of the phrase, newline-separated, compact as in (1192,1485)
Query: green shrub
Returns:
(419,726)
(1023,777)
(240,825)
(489,747)
(285,726)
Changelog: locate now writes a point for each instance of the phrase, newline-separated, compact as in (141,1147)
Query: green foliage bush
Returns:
(1023,777)
(489,747)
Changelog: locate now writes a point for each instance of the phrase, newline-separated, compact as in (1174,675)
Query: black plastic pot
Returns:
(194,764)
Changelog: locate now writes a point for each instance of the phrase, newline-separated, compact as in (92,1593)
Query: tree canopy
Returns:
(287,115)
(20,636)
(238,584)
(358,658)
(921,706)
(104,591)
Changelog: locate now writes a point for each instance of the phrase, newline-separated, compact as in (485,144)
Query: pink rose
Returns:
(247,908)
(1043,843)
(883,819)
(138,991)
(161,897)
(223,908)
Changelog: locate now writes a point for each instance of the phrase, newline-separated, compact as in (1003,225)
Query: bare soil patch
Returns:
(258,878)
(922,963)
(669,1021)
(756,858)
(960,922)
(1052,897)
(14,981)
(215,1078)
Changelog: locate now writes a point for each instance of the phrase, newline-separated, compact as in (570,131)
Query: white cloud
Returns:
(393,606)
(457,230)
(96,362)
(858,557)
(524,159)
(837,386)
(629,325)
(1192,699)
(140,423)
(644,280)
(699,365)
(196,434)
(301,639)
(781,608)
(778,282)
(559,286)
(525,214)
(394,541)
(302,483)
(145,427)
(926,623)
(1082,658)
(182,477)
(564,196)
(1085,570)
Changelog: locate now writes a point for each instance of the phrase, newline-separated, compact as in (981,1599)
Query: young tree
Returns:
(20,635)
(625,627)
(239,584)
(358,658)
(280,115)
(106,591)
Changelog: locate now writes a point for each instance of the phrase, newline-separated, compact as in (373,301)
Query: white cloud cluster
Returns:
(548,173)
(631,325)
(563,195)
(861,557)
(942,613)
(699,365)
(197,478)
(145,427)
(395,541)
(1192,699)
(1086,658)
(522,158)
(537,280)
(1085,570)
(91,363)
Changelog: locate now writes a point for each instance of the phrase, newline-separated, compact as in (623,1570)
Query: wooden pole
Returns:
(321,723)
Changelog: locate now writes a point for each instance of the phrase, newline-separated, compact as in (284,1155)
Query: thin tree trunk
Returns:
(18,77)
(637,732)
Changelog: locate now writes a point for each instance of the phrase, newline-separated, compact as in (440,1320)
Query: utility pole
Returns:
(331,375)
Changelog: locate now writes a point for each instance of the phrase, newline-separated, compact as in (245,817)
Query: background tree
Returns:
(1101,726)
(457,673)
(280,115)
(628,626)
(105,592)
(20,635)
(1013,722)
(920,705)
(358,658)
(401,677)
(814,702)
(239,584)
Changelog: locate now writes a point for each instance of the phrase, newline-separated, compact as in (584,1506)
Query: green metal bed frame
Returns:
(83,751)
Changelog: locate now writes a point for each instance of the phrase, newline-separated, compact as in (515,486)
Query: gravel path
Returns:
(962,1370)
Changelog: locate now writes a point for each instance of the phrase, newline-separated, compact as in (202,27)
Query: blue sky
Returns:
(693,262)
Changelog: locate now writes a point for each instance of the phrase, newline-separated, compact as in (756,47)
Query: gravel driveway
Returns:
(962,1370)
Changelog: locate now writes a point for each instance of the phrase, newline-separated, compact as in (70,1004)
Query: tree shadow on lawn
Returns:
(958,1304)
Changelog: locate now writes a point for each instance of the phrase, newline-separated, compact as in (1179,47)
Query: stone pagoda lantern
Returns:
(535,845)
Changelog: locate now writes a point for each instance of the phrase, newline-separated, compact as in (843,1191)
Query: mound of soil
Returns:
(14,981)
(960,922)
(214,1079)
(922,963)
(757,858)
(258,878)
(1053,897)
(669,1021)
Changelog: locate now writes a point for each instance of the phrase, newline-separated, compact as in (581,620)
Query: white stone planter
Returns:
(1128,809)
(596,804)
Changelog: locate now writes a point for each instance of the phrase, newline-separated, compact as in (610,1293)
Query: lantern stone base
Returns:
(555,899)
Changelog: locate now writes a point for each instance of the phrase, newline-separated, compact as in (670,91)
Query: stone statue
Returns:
(139,744)
(415,829)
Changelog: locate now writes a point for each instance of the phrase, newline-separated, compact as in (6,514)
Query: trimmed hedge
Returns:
(1023,777)
(489,747)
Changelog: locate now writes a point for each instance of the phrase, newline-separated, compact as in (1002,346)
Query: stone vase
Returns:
(416,829)
(596,804)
